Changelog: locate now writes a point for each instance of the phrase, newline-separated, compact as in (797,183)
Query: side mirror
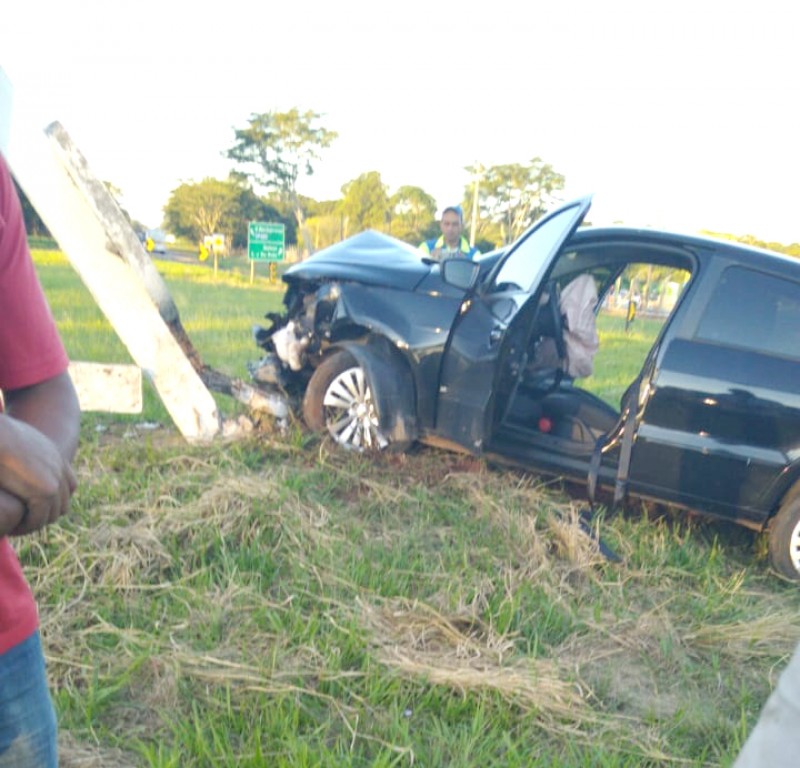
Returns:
(460,272)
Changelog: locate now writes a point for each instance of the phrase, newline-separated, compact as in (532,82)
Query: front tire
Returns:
(338,399)
(784,539)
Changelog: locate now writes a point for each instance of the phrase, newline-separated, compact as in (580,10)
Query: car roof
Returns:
(752,255)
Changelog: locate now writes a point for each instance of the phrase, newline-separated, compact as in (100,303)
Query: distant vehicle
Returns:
(155,241)
(381,347)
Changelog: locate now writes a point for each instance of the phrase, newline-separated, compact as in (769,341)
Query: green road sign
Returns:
(266,241)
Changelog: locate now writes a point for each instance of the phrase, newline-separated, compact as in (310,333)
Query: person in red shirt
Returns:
(39,428)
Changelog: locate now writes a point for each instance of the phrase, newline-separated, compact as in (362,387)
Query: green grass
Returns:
(272,602)
(621,354)
(258,604)
(217,312)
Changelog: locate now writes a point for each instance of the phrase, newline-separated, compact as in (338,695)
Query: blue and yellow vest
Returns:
(464,249)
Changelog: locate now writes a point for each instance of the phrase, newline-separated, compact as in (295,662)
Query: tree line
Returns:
(274,150)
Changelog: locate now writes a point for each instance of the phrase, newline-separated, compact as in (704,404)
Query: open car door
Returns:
(488,340)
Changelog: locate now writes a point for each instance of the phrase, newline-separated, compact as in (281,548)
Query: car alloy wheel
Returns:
(784,539)
(339,399)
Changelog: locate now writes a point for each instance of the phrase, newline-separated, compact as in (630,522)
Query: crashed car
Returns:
(380,348)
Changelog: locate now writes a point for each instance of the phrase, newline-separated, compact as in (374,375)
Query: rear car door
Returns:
(491,329)
(722,420)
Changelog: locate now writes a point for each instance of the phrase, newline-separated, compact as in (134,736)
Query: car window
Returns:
(526,261)
(635,303)
(753,310)
(653,289)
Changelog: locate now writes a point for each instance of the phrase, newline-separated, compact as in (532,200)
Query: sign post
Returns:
(266,241)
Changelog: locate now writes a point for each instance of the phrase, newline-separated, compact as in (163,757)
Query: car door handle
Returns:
(495,334)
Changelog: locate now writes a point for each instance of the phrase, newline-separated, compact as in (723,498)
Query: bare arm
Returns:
(38,440)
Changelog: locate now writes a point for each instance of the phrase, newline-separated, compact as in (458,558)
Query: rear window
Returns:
(755,311)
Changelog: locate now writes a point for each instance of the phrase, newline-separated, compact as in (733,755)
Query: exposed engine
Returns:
(296,339)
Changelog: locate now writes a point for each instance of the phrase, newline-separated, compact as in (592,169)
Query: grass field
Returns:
(217,313)
(273,602)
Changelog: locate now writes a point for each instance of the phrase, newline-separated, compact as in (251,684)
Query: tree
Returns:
(251,207)
(325,229)
(324,221)
(33,222)
(211,206)
(413,214)
(514,196)
(276,147)
(195,210)
(365,204)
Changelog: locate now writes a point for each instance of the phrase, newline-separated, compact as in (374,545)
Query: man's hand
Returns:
(11,513)
(33,470)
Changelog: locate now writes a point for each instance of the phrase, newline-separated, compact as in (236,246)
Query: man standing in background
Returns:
(451,242)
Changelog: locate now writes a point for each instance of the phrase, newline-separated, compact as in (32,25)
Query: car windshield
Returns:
(527,260)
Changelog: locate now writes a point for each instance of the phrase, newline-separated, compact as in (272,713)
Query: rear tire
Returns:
(338,399)
(784,539)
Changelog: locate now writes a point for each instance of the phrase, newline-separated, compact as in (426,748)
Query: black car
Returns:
(495,356)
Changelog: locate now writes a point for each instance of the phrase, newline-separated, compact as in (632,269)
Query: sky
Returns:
(680,115)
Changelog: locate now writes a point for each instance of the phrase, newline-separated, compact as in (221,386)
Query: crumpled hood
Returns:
(369,257)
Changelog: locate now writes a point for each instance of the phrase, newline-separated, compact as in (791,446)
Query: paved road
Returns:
(184,257)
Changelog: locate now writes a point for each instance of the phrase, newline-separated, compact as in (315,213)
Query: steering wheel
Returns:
(556,318)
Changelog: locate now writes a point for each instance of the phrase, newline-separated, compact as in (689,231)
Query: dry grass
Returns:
(75,754)
(464,654)
(149,592)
